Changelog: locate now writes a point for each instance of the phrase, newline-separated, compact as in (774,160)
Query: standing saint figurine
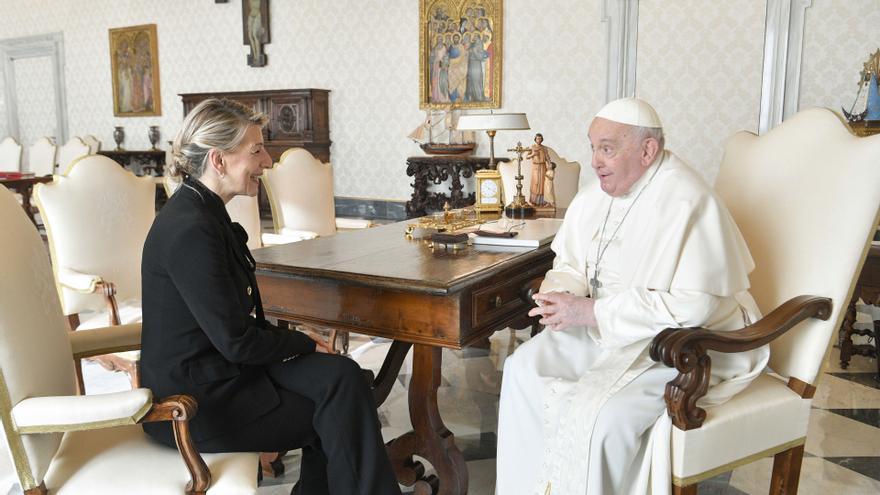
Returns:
(549,190)
(540,160)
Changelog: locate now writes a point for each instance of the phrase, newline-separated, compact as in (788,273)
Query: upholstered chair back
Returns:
(10,155)
(565,182)
(804,240)
(246,211)
(242,209)
(97,218)
(93,143)
(41,157)
(69,152)
(300,189)
(35,354)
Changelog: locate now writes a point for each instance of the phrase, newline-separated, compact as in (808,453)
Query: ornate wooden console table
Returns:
(436,170)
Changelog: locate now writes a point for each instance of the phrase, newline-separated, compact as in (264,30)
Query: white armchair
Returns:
(97,218)
(805,197)
(300,190)
(73,444)
(246,211)
(41,157)
(93,143)
(565,181)
(70,152)
(10,155)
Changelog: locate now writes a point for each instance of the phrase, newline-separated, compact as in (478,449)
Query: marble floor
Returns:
(842,450)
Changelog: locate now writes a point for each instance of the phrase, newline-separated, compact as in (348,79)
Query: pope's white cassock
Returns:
(582,409)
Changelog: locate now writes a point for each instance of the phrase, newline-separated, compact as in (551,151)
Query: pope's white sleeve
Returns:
(637,314)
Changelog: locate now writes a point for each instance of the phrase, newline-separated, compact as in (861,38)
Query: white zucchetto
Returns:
(631,111)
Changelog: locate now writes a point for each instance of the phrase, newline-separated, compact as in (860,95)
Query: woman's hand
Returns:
(560,310)
(320,344)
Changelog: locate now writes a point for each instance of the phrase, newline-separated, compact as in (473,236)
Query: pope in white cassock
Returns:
(646,247)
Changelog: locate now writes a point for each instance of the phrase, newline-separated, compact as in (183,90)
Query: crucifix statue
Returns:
(255,20)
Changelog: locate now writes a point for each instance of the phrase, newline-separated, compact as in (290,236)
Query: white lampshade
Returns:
(493,122)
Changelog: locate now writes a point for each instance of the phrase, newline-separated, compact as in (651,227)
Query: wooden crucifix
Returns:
(255,23)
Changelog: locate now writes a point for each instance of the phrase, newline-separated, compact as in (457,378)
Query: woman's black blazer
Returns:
(199,336)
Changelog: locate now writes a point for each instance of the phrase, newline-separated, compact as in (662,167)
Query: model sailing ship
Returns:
(867,78)
(438,136)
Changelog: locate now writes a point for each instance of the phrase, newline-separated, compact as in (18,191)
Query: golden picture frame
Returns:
(134,67)
(460,53)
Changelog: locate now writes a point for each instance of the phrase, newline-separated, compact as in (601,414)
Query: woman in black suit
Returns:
(259,388)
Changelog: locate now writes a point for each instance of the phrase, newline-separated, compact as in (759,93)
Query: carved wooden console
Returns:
(868,289)
(297,118)
(435,170)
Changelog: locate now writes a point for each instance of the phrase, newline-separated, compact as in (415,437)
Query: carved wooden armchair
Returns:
(97,218)
(10,155)
(300,191)
(805,197)
(41,156)
(76,444)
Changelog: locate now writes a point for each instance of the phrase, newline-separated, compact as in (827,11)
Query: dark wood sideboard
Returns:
(298,118)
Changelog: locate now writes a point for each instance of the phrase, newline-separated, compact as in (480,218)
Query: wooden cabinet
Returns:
(298,118)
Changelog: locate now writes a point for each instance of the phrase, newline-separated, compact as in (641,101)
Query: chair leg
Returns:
(684,490)
(78,371)
(787,471)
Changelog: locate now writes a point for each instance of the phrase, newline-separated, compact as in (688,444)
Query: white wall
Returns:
(699,63)
(838,37)
(364,51)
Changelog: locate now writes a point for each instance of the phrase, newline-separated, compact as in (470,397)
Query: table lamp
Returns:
(491,122)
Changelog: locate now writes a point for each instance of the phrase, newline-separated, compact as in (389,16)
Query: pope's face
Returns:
(619,155)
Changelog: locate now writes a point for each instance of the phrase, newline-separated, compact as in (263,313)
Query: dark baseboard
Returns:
(372,209)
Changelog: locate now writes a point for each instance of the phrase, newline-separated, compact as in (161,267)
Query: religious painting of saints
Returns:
(460,53)
(134,67)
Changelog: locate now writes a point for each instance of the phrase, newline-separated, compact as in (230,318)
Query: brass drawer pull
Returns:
(497,301)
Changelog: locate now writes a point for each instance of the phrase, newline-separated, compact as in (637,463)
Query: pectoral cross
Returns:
(594,282)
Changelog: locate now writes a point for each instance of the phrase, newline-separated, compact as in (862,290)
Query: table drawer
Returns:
(503,299)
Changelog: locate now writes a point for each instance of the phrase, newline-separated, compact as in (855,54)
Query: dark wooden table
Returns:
(426,170)
(868,289)
(24,185)
(377,282)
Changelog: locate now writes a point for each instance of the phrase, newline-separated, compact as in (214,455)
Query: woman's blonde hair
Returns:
(214,123)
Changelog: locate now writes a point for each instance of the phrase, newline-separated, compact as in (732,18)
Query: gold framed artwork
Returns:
(460,44)
(134,66)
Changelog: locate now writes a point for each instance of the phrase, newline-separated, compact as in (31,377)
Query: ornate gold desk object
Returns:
(519,207)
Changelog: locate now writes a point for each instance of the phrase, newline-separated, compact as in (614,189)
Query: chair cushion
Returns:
(766,415)
(126,460)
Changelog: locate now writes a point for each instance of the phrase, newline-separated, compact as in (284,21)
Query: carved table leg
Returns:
(430,438)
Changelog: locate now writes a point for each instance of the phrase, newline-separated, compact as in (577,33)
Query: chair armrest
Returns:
(287,237)
(78,281)
(105,340)
(353,223)
(685,350)
(81,412)
(179,409)
(529,290)
(298,234)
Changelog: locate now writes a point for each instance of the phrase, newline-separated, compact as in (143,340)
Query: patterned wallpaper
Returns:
(700,66)
(364,51)
(839,35)
(3,130)
(699,63)
(36,106)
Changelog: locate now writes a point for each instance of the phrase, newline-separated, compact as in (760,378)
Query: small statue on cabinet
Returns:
(540,158)
(549,190)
